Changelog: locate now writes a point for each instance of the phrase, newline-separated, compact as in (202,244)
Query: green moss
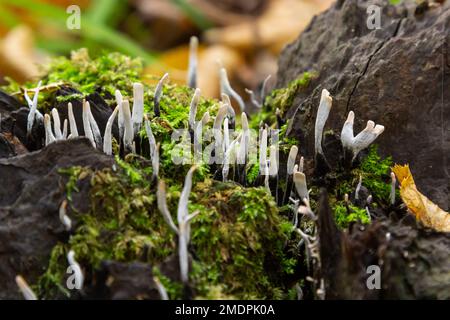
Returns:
(344,218)
(375,172)
(283,98)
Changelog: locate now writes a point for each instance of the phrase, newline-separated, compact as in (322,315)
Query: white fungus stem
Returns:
(121,121)
(393,182)
(321,118)
(138,107)
(107,138)
(128,134)
(225,87)
(162,206)
(358,188)
(193,62)
(158,94)
(193,109)
(161,289)
(49,137)
(63,217)
(27,292)
(56,124)
(87,124)
(300,185)
(72,122)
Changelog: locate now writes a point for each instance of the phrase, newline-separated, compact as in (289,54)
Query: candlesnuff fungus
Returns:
(49,137)
(87,123)
(245,140)
(72,122)
(231,113)
(301,164)
(230,156)
(353,145)
(295,207)
(64,133)
(192,68)
(150,136)
(183,218)
(393,182)
(79,278)
(193,109)
(119,99)
(264,88)
(33,109)
(253,99)
(263,153)
(128,134)
(56,124)
(321,118)
(290,171)
(27,293)
(63,217)
(107,138)
(94,126)
(158,94)
(161,289)
(226,135)
(155,162)
(225,87)
(273,170)
(138,107)
(300,185)
(198,137)
(358,188)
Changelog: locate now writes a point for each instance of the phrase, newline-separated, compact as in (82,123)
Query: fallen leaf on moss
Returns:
(423,208)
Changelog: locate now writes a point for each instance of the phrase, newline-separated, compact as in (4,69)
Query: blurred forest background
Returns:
(244,36)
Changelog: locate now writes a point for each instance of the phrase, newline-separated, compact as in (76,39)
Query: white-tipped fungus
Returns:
(87,123)
(300,185)
(119,99)
(291,160)
(362,139)
(393,182)
(107,138)
(94,126)
(56,124)
(27,292)
(225,87)
(72,122)
(321,118)
(63,217)
(138,107)
(33,109)
(158,94)
(192,68)
(161,289)
(358,188)
(49,137)
(128,134)
(193,108)
(162,206)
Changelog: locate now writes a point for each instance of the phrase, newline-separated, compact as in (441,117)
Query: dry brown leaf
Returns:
(280,24)
(423,208)
(17,57)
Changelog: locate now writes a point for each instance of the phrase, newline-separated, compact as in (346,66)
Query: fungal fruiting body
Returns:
(128,134)
(225,87)
(49,137)
(353,145)
(27,292)
(138,107)
(193,109)
(87,123)
(321,118)
(193,62)
(107,138)
(158,94)
(72,122)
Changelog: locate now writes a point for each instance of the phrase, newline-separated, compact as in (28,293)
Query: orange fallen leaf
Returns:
(423,208)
